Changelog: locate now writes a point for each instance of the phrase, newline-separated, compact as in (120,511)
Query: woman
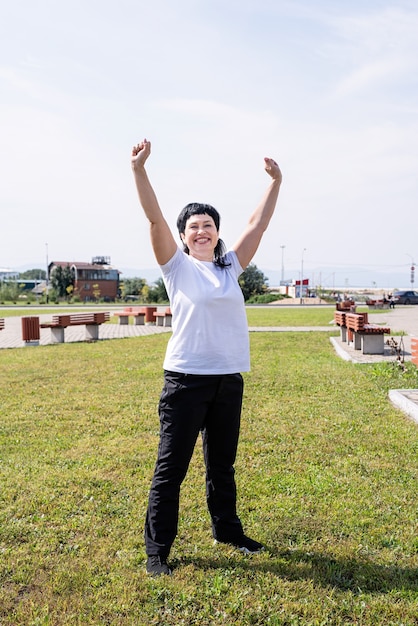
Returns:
(208,350)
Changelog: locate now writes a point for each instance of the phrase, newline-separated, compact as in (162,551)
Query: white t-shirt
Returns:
(210,330)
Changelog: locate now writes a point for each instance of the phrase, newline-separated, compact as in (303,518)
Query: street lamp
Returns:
(46,278)
(301,278)
(412,270)
(282,280)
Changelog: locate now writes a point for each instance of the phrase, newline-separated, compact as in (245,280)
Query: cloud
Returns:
(375,49)
(328,89)
(371,75)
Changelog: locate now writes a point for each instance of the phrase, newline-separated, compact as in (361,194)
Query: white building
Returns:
(8,273)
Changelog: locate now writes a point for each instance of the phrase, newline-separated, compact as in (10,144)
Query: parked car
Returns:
(406,297)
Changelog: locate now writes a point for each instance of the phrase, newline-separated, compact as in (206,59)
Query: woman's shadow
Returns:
(356,575)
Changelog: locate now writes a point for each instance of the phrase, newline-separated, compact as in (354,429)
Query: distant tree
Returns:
(9,291)
(35,274)
(145,292)
(133,286)
(157,292)
(61,279)
(252,282)
(96,291)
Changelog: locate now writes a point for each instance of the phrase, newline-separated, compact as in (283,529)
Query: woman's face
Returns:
(200,236)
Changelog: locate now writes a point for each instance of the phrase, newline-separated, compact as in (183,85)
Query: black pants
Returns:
(190,404)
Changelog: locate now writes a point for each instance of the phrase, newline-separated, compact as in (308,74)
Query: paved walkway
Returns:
(11,336)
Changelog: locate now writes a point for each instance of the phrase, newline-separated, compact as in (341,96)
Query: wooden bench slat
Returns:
(91,321)
(374,329)
(76,319)
(131,310)
(339,317)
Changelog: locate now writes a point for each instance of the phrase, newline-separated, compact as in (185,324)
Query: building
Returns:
(7,274)
(91,281)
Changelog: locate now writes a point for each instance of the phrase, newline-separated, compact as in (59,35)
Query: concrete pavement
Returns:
(11,336)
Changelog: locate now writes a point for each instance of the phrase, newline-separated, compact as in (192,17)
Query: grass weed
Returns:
(327,478)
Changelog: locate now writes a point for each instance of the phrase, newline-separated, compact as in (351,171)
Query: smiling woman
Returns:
(208,350)
(200,237)
(198,225)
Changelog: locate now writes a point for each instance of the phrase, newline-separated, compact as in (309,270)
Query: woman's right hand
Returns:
(140,153)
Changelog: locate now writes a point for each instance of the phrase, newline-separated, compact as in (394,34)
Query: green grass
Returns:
(290,316)
(327,477)
(296,316)
(46,310)
(256,315)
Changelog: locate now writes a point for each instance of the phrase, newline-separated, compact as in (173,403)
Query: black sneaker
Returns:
(246,545)
(157,565)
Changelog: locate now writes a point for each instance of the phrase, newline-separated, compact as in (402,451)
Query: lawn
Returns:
(296,316)
(327,478)
(257,315)
(290,316)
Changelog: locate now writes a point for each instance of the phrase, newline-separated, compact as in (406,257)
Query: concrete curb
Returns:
(341,352)
(405,400)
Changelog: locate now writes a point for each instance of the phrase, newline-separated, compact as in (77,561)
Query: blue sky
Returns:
(327,88)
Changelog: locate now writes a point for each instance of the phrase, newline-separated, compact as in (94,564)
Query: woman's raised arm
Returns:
(162,240)
(248,242)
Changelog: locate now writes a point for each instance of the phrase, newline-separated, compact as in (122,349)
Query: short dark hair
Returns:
(197,208)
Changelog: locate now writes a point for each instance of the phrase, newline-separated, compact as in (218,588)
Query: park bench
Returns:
(346,305)
(163,318)
(91,321)
(366,337)
(1,323)
(142,315)
(138,313)
(339,319)
(378,304)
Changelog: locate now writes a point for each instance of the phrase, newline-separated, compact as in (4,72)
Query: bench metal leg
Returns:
(343,333)
(92,332)
(167,320)
(139,320)
(123,320)
(57,335)
(373,344)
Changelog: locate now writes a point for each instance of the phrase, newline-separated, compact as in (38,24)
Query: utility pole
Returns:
(282,279)
(46,278)
(412,270)
(301,278)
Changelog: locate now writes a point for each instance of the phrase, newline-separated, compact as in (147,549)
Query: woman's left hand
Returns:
(272,169)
